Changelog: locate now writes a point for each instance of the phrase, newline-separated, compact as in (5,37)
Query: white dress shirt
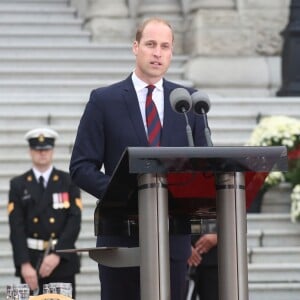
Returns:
(157,96)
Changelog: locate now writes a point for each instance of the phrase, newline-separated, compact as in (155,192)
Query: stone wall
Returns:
(234,45)
(235,49)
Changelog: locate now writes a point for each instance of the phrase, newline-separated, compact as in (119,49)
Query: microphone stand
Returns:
(188,129)
(206,129)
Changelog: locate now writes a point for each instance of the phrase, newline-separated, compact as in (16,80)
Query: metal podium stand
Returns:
(221,177)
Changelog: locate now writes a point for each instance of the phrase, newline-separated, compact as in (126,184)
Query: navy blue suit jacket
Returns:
(111,122)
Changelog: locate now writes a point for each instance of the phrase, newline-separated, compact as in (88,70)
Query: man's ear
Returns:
(135,47)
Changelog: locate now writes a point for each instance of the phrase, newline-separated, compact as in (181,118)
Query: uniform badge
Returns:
(26,196)
(78,203)
(60,200)
(41,138)
(10,207)
(55,178)
(29,178)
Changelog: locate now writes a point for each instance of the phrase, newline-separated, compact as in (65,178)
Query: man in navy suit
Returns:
(114,119)
(204,263)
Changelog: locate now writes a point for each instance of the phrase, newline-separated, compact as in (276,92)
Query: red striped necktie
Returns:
(152,119)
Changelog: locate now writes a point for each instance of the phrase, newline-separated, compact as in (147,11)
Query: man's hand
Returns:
(30,276)
(195,258)
(50,262)
(206,242)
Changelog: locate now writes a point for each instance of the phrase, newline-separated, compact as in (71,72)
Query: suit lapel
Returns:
(168,119)
(134,113)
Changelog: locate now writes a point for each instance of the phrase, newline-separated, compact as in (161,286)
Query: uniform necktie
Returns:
(152,119)
(41,184)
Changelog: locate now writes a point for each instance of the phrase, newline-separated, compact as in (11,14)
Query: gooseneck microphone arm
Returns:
(201,105)
(206,130)
(188,129)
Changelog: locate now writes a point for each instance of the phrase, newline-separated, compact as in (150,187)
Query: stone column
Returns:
(229,41)
(109,21)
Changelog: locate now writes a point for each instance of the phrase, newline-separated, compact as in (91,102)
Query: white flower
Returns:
(274,178)
(281,131)
(275,131)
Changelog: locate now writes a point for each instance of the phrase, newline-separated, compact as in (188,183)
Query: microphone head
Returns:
(201,102)
(180,100)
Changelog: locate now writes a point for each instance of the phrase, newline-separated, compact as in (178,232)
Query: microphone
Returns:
(201,106)
(180,99)
(201,102)
(181,102)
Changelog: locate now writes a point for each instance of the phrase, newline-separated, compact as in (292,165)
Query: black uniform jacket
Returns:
(56,214)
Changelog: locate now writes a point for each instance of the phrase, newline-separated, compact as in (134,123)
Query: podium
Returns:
(202,182)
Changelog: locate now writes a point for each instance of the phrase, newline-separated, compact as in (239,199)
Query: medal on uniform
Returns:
(60,200)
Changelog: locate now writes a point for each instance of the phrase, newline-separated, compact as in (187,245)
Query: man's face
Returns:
(153,52)
(41,159)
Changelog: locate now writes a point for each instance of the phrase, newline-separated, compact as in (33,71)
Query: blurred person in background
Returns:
(44,212)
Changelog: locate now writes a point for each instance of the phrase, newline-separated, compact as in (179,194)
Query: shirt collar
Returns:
(140,84)
(46,174)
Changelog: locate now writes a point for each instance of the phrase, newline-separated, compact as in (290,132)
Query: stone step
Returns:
(279,272)
(265,255)
(255,106)
(226,136)
(273,238)
(274,291)
(270,221)
(53,87)
(38,16)
(39,26)
(88,291)
(9,62)
(221,135)
(66,51)
(42,120)
(17,73)
(16,6)
(280,238)
(46,112)
(282,193)
(59,38)
(33,1)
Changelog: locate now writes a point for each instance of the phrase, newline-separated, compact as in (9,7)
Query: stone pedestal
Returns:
(277,199)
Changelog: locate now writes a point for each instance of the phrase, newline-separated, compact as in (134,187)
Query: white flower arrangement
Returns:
(295,204)
(282,131)
(276,131)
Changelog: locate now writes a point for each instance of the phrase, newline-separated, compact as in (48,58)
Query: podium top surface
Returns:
(205,159)
(190,172)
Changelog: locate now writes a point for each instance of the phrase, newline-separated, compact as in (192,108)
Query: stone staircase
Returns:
(48,66)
